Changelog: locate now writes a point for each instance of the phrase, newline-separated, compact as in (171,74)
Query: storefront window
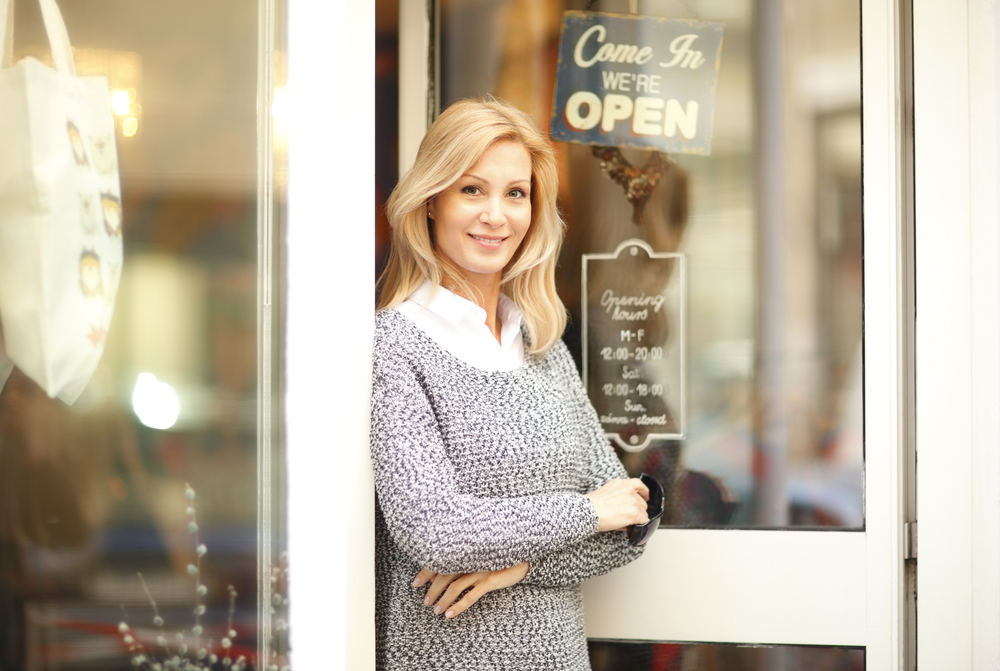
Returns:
(769,228)
(134,523)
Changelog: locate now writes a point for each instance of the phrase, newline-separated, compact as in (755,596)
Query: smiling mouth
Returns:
(489,241)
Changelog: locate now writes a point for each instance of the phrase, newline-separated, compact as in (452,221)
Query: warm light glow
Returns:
(120,101)
(279,104)
(129,126)
(279,113)
(155,403)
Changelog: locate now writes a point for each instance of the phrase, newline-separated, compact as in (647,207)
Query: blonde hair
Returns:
(454,143)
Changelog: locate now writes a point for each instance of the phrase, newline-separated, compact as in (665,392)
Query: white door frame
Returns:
(957,333)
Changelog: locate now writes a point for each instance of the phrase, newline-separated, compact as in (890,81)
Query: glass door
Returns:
(778,360)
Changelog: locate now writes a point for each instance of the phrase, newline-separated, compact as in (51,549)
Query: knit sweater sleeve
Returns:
(602,552)
(427,514)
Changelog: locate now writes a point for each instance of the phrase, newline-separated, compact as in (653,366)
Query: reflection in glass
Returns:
(770,225)
(145,490)
(647,656)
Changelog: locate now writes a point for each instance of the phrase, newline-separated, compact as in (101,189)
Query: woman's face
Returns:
(481,219)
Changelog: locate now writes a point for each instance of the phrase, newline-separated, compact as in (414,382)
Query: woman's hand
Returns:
(445,588)
(620,503)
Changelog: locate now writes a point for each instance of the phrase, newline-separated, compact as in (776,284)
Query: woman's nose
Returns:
(493,216)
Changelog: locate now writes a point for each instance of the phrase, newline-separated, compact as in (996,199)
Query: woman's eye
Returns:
(470,190)
(517,193)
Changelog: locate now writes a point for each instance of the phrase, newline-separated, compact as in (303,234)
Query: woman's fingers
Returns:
(455,589)
(444,590)
(438,585)
(470,598)
(423,575)
(620,503)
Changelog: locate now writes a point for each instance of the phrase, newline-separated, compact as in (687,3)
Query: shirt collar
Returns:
(454,309)
(511,318)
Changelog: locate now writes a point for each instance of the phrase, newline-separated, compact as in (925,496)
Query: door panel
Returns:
(836,587)
(736,586)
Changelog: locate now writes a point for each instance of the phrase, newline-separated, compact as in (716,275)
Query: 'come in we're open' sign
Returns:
(637,81)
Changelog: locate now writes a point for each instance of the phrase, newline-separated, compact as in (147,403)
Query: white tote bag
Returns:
(60,215)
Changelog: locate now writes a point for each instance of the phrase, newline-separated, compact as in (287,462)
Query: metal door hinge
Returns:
(910,540)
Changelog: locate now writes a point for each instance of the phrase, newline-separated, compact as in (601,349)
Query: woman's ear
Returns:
(430,209)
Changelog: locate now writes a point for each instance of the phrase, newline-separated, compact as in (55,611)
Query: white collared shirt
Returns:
(459,326)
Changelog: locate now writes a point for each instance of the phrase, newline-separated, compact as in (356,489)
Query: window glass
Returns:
(129,524)
(386,119)
(769,299)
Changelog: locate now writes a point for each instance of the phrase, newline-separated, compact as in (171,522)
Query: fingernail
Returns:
(437,609)
(427,601)
(416,582)
(450,614)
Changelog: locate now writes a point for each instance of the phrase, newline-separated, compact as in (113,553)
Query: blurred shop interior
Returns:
(113,511)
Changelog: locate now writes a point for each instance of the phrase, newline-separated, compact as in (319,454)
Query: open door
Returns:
(783,261)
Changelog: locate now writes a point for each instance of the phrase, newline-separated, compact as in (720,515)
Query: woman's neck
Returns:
(487,296)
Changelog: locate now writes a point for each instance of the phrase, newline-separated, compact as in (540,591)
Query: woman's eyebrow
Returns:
(485,181)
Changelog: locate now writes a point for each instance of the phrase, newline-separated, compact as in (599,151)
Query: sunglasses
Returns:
(638,534)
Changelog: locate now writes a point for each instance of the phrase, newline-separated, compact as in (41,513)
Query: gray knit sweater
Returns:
(476,471)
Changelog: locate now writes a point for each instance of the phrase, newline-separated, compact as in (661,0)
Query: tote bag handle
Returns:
(6,33)
(55,28)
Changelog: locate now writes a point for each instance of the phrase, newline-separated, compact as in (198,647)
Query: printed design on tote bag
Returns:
(90,274)
(76,141)
(102,153)
(114,278)
(97,335)
(112,214)
(88,214)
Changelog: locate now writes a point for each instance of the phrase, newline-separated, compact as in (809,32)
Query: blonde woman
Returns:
(497,491)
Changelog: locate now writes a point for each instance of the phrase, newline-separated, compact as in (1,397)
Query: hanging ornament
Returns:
(637,182)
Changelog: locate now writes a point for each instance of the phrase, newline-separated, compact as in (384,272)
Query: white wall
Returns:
(328,347)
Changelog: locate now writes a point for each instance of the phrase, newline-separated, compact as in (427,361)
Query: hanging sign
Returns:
(636,81)
(633,342)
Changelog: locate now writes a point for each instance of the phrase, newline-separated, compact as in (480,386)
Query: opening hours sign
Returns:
(637,81)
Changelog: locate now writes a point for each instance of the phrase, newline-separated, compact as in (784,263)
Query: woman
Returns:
(497,490)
